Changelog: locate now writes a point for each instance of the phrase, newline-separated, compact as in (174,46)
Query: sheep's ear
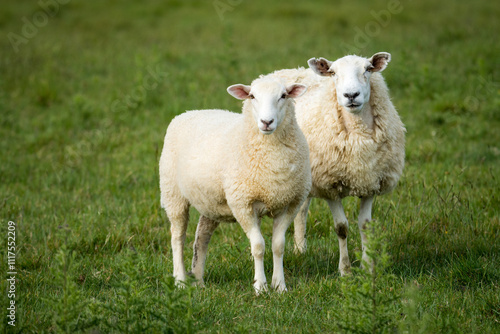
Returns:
(379,61)
(296,90)
(239,91)
(320,66)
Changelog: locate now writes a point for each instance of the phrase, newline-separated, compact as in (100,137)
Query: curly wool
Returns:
(358,161)
(215,157)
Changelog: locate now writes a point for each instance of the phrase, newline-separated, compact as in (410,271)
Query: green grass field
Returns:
(87,90)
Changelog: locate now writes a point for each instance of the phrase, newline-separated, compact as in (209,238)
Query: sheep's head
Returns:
(352,77)
(268,99)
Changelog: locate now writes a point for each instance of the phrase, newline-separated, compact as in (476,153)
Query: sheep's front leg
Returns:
(251,226)
(341,228)
(204,231)
(281,224)
(299,226)
(365,217)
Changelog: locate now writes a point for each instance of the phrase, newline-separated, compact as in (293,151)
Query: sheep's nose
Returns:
(351,96)
(267,123)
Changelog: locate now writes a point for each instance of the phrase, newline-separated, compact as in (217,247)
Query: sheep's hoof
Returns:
(280,288)
(260,287)
(345,270)
(198,282)
(180,284)
(300,248)
(367,262)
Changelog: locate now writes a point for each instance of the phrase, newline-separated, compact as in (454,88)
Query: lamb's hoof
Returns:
(345,270)
(280,287)
(180,284)
(198,282)
(260,287)
(367,263)
(300,248)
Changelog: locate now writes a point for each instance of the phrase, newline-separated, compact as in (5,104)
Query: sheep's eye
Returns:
(283,96)
(251,96)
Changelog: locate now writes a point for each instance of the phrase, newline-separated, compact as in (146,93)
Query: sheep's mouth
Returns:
(353,105)
(266,131)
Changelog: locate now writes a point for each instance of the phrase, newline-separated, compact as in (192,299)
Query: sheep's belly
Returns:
(261,209)
(215,210)
(371,181)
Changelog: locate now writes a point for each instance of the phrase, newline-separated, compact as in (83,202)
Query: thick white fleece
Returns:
(359,162)
(223,165)
(218,161)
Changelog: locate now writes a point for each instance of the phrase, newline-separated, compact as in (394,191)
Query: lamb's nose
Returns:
(351,96)
(267,123)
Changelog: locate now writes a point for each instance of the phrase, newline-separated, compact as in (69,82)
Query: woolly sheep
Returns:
(239,167)
(356,139)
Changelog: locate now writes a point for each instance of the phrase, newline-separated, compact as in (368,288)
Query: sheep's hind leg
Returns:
(178,226)
(299,227)
(341,228)
(365,217)
(204,231)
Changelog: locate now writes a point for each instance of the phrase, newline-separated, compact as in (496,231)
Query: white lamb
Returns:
(239,167)
(356,139)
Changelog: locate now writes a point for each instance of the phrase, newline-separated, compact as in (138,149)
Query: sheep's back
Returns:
(198,147)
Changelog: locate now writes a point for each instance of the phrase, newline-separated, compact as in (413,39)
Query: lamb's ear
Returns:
(379,61)
(239,91)
(296,90)
(320,66)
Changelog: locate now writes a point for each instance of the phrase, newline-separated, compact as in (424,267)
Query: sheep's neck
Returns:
(353,121)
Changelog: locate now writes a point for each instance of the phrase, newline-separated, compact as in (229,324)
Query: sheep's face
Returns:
(351,75)
(268,100)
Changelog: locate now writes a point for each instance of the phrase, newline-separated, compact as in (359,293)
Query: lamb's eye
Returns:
(251,96)
(283,96)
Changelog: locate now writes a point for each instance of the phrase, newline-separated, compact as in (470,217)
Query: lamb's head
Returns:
(269,100)
(351,75)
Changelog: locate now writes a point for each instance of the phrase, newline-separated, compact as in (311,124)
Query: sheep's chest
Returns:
(272,186)
(351,167)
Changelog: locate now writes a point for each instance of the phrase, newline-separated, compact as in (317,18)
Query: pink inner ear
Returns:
(296,90)
(239,91)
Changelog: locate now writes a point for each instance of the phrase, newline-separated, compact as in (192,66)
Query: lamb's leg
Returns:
(204,231)
(250,223)
(341,228)
(365,216)
(258,248)
(281,224)
(299,226)
(178,225)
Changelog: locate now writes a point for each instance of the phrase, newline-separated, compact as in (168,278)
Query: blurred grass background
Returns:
(87,93)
